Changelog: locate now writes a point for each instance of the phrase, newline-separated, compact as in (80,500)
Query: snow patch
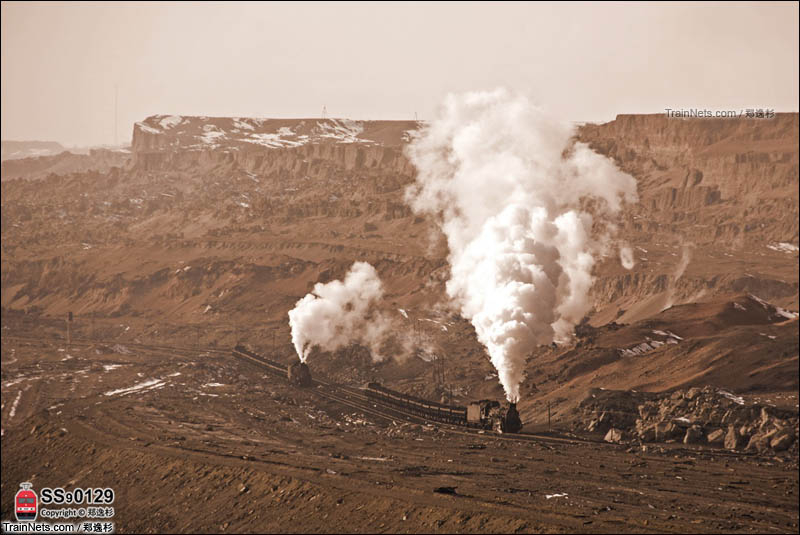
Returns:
(783,247)
(143,386)
(736,399)
(170,121)
(13,410)
(149,129)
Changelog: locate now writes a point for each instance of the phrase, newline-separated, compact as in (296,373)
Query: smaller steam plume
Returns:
(626,257)
(339,313)
(683,263)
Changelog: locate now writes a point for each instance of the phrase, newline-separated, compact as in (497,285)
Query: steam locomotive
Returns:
(484,414)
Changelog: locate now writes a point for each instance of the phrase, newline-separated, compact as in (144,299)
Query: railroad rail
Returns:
(353,398)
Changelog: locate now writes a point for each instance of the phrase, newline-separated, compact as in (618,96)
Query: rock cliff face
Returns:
(217,222)
(730,181)
(12,150)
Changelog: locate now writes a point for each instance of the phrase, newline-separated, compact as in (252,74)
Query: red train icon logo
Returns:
(26,504)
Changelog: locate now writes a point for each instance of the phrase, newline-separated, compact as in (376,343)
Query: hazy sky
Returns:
(60,62)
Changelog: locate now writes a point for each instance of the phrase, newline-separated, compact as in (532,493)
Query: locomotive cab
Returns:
(299,374)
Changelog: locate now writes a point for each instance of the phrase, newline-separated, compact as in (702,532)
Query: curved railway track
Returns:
(353,398)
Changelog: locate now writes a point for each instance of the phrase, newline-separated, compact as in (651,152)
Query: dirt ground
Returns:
(197,441)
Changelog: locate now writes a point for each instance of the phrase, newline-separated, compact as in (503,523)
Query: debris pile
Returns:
(695,416)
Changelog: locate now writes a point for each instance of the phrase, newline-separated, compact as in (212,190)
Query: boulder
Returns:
(733,440)
(614,435)
(693,392)
(646,432)
(694,435)
(716,437)
(667,431)
(761,441)
(782,440)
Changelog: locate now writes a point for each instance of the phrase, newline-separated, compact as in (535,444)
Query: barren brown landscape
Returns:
(492,318)
(173,257)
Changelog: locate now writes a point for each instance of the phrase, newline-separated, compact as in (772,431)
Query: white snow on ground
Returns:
(650,345)
(143,386)
(558,495)
(343,130)
(212,134)
(148,129)
(109,367)
(737,306)
(403,312)
(170,121)
(242,124)
(12,382)
(778,310)
(735,399)
(783,247)
(274,141)
(13,410)
(212,385)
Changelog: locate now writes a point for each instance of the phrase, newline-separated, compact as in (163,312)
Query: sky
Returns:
(61,62)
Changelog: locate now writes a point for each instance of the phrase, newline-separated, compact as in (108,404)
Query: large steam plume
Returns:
(522,206)
(338,313)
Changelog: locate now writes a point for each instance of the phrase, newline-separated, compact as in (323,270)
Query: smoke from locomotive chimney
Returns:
(510,188)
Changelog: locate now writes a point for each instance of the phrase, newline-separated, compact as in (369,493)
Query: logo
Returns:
(26,504)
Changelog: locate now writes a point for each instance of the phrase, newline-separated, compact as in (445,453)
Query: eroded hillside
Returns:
(215,227)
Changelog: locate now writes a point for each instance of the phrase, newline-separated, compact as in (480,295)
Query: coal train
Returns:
(484,414)
(297,374)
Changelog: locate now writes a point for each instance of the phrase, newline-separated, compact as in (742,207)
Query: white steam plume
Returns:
(517,198)
(338,313)
(626,257)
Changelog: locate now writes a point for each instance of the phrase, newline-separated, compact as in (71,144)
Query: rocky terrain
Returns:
(12,150)
(209,231)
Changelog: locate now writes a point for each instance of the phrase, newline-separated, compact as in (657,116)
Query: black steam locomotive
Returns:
(484,414)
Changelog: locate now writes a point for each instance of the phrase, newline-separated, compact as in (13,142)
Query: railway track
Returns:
(343,394)
(355,399)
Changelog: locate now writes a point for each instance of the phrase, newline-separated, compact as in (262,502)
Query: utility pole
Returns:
(324,111)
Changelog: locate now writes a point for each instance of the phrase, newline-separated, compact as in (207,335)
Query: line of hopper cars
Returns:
(484,414)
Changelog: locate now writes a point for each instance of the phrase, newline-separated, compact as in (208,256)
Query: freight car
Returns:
(484,414)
